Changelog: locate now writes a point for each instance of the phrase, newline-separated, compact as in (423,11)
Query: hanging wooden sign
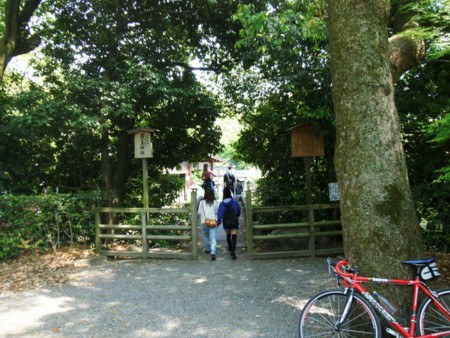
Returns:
(305,141)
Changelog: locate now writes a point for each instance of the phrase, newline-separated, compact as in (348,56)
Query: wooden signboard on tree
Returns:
(306,142)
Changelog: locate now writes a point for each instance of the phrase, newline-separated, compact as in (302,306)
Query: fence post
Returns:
(249,222)
(98,247)
(194,223)
(312,235)
(144,235)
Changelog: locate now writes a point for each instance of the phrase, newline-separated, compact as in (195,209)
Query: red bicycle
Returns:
(349,312)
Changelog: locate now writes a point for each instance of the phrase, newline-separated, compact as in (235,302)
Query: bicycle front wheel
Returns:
(321,316)
(430,319)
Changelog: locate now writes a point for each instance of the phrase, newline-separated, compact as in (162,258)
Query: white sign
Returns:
(334,191)
(143,147)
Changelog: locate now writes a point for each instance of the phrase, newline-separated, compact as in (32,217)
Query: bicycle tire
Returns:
(321,313)
(430,319)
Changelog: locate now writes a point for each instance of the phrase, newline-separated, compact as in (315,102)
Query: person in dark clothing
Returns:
(229,180)
(228,216)
(239,188)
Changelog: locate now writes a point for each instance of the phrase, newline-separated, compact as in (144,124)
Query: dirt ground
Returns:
(35,270)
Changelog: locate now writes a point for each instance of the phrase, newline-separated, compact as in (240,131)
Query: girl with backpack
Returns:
(228,215)
(207,208)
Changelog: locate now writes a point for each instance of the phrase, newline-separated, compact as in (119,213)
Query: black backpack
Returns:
(230,219)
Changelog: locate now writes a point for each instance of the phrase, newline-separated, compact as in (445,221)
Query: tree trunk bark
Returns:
(378,215)
(16,39)
(113,181)
(106,163)
(107,189)
(406,50)
(122,170)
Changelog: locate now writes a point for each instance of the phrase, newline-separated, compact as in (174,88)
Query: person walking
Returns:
(207,177)
(229,180)
(208,208)
(239,187)
(228,216)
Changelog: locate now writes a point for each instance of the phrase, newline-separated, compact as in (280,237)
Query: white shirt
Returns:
(206,210)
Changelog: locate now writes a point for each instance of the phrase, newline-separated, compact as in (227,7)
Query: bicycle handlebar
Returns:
(341,267)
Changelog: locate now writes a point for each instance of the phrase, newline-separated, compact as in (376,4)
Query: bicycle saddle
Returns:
(420,262)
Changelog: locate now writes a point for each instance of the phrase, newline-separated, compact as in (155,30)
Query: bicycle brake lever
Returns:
(332,270)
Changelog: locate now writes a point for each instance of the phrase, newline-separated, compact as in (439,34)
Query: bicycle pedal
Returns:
(393,333)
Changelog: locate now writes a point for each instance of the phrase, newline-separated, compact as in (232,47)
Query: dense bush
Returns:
(163,190)
(41,222)
(273,191)
(45,221)
(433,209)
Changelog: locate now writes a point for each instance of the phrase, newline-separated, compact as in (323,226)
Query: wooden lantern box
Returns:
(143,147)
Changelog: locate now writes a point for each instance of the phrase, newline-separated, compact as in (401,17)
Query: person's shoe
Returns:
(233,255)
(207,252)
(213,257)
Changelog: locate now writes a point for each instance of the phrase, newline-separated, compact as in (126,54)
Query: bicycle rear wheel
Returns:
(430,319)
(320,316)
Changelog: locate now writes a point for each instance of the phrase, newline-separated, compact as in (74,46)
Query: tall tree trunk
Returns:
(113,180)
(378,215)
(106,163)
(17,39)
(107,189)
(122,167)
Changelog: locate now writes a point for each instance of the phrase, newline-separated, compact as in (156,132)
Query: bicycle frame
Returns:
(353,281)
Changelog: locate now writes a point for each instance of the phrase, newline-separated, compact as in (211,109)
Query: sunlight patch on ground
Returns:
(293,301)
(200,280)
(196,279)
(170,327)
(33,314)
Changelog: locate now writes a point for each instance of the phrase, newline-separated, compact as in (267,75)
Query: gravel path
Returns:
(165,298)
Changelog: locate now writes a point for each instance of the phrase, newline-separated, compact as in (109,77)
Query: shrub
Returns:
(45,221)
(433,209)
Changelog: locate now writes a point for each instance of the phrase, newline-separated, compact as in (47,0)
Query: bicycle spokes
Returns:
(333,315)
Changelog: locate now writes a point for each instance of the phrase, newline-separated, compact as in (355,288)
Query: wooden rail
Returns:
(143,231)
(312,230)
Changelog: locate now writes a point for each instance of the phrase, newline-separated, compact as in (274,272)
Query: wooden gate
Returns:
(143,233)
(310,230)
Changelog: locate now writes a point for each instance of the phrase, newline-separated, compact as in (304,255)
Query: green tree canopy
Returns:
(108,68)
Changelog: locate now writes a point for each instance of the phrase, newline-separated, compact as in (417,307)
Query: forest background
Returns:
(100,68)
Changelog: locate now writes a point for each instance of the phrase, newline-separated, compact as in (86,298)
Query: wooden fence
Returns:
(144,232)
(311,230)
